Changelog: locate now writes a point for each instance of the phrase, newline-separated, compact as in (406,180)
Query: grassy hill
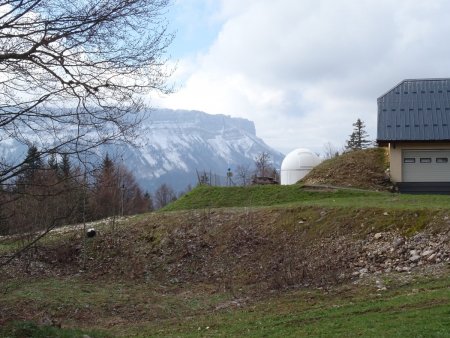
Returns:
(282,261)
(359,169)
(206,197)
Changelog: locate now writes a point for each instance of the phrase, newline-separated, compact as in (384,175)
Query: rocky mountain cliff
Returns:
(178,143)
(175,144)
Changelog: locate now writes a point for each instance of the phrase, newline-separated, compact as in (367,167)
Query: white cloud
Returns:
(305,70)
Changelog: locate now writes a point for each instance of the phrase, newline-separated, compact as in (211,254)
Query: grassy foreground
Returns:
(30,329)
(102,302)
(421,310)
(257,196)
(414,308)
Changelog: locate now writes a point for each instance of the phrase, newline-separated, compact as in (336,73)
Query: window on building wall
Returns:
(425,160)
(441,160)
(409,160)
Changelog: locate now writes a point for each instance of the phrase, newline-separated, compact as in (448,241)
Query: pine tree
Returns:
(358,138)
(30,168)
(53,162)
(65,166)
(39,196)
(33,161)
(106,190)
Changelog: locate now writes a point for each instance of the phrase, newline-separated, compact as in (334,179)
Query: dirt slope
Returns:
(358,169)
(269,248)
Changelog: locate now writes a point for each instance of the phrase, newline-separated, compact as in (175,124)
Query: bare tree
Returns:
(116,192)
(72,73)
(263,164)
(330,151)
(148,201)
(203,178)
(243,174)
(164,195)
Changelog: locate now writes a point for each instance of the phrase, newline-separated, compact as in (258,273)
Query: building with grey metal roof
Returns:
(415,110)
(414,124)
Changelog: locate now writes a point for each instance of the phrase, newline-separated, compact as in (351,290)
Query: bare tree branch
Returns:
(73,76)
(76,71)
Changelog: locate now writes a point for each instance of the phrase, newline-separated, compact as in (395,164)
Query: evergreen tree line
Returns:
(52,191)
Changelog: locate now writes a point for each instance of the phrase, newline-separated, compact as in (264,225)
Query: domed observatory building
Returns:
(297,164)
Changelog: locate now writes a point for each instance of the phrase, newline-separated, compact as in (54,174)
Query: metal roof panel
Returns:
(415,110)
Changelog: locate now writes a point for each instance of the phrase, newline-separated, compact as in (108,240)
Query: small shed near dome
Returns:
(297,164)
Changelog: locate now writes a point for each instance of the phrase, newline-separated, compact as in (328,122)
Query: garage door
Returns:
(426,165)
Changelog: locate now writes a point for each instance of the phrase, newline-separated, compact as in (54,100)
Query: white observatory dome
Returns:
(297,164)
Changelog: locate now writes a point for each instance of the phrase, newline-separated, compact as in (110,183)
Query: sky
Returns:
(303,70)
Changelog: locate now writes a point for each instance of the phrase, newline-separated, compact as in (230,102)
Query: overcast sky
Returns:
(303,70)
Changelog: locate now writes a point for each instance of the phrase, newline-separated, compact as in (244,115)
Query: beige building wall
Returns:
(395,154)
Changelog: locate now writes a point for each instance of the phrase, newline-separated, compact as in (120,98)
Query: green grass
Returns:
(415,308)
(29,329)
(126,308)
(85,304)
(271,195)
(72,295)
(14,243)
(8,245)
(419,310)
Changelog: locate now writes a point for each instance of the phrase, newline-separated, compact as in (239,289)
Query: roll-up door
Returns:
(426,166)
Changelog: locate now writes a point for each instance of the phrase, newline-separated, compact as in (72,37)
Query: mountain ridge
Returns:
(179,143)
(175,144)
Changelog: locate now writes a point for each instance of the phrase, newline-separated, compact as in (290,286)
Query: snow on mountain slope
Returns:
(178,143)
(175,144)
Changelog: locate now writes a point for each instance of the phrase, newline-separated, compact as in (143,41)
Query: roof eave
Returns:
(411,141)
(406,80)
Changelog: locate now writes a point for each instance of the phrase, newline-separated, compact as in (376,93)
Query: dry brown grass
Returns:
(266,248)
(358,169)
